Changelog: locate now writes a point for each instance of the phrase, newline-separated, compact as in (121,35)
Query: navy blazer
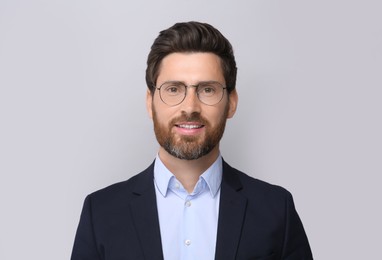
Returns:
(257,220)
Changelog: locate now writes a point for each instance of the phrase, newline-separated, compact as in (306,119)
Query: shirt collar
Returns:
(212,176)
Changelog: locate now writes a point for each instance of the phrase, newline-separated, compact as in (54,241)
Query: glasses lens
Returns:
(210,93)
(172,93)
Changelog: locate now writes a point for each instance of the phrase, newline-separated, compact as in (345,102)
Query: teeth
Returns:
(190,126)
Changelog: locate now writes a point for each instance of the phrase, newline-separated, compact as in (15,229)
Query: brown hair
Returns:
(191,37)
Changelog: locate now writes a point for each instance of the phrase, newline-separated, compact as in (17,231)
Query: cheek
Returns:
(162,114)
(219,113)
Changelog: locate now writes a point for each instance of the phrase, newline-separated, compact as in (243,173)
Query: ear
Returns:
(149,103)
(233,100)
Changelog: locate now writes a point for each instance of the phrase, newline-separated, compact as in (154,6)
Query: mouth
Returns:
(189,126)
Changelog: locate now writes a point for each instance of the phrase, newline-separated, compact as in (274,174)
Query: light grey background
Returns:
(73,118)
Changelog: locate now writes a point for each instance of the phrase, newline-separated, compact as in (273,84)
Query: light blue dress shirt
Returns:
(188,221)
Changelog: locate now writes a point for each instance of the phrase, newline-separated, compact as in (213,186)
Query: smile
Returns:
(190,126)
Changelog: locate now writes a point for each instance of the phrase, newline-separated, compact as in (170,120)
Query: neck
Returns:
(188,171)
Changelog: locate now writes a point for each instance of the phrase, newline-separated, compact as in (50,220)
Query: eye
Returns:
(207,90)
(173,90)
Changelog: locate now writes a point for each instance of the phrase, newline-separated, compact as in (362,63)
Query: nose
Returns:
(191,102)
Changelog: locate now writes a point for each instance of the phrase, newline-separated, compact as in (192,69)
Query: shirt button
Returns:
(188,203)
(177,185)
(187,242)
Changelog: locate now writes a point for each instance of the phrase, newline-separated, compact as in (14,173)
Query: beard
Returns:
(189,147)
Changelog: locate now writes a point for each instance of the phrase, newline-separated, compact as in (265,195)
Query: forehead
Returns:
(191,67)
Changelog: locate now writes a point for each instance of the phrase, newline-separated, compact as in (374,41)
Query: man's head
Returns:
(191,76)
(191,37)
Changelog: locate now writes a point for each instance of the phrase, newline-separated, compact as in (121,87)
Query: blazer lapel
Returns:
(231,215)
(145,216)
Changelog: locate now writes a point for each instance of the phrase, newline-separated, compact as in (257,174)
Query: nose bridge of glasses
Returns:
(188,95)
(189,88)
(195,86)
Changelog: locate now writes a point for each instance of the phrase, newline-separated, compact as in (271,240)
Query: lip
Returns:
(189,128)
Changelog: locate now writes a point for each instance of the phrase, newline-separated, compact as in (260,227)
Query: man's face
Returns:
(190,129)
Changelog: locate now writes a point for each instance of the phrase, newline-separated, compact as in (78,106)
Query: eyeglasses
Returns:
(173,93)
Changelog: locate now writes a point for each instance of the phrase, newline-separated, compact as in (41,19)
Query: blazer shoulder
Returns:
(253,187)
(125,189)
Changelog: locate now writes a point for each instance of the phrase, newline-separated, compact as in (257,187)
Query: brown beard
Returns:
(189,147)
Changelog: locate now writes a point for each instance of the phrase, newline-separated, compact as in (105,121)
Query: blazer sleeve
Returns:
(85,246)
(296,245)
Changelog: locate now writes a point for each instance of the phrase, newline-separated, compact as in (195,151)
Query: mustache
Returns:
(193,117)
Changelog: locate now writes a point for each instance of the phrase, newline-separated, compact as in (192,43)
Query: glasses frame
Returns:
(196,86)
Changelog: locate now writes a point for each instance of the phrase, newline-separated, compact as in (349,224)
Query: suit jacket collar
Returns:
(145,215)
(231,214)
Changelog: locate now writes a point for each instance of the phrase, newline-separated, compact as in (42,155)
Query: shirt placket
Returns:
(189,224)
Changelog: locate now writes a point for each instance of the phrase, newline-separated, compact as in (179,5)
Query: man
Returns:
(190,204)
